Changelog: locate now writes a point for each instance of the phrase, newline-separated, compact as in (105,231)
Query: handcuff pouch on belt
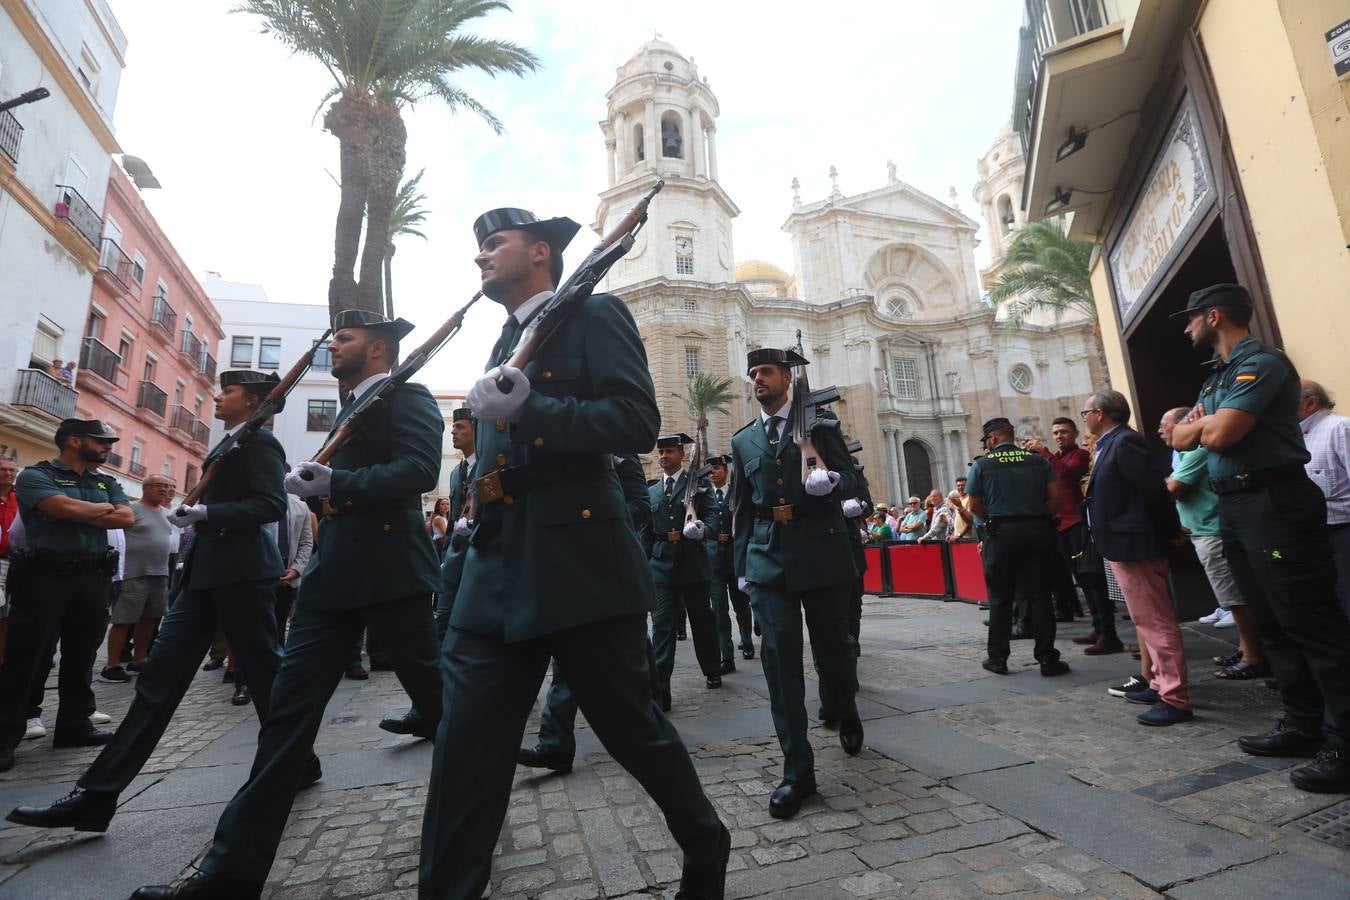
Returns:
(489,487)
(674,536)
(782,513)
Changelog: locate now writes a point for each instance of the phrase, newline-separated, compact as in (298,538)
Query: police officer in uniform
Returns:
(1013,490)
(59,583)
(726,593)
(1273,521)
(680,568)
(792,552)
(553,570)
(229,578)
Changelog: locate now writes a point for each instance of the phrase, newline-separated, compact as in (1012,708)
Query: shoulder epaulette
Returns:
(743,427)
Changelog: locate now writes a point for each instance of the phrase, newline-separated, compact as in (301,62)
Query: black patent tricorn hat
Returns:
(84,428)
(463,414)
(257,383)
(1219,295)
(724,461)
(398,328)
(774,355)
(679,439)
(558,231)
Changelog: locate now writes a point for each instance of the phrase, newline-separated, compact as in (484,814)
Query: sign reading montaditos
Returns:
(1178,192)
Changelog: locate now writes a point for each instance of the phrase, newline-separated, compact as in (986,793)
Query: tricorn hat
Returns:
(558,231)
(999,423)
(775,355)
(679,439)
(84,428)
(463,414)
(398,328)
(257,383)
(719,460)
(1215,295)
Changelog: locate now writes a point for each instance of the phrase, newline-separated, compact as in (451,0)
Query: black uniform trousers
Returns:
(558,720)
(725,598)
(244,612)
(1019,553)
(824,689)
(490,687)
(672,602)
(318,651)
(779,614)
(46,607)
(1277,545)
(1101,607)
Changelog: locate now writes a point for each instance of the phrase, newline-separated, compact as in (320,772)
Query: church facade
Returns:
(884,291)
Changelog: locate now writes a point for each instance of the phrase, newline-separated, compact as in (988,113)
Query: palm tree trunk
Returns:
(1100,347)
(386,169)
(343,120)
(389,283)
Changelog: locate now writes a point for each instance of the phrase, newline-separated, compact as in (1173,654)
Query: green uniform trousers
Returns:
(725,598)
(672,602)
(490,688)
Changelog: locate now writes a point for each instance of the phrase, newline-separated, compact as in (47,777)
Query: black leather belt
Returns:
(502,483)
(1252,481)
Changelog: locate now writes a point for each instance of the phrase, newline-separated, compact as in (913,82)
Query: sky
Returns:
(226,118)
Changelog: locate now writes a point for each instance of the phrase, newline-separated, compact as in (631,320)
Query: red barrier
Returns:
(968,572)
(874,581)
(917,570)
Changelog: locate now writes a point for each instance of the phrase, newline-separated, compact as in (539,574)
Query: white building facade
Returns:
(55,157)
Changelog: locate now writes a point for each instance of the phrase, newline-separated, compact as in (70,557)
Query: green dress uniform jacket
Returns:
(233,544)
(375,547)
(452,564)
(717,519)
(864,497)
(551,556)
(813,549)
(681,561)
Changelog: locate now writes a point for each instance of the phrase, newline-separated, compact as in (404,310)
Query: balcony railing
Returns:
(11,135)
(97,357)
(164,316)
(1047,23)
(36,389)
(183,420)
(208,365)
(150,397)
(201,433)
(114,459)
(76,210)
(190,346)
(136,469)
(116,263)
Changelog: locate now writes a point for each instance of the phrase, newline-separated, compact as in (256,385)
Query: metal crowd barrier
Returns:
(936,570)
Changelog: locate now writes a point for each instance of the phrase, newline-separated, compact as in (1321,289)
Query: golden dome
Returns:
(759,270)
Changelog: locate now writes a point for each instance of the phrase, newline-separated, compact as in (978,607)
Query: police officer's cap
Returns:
(463,414)
(558,231)
(773,355)
(1222,295)
(84,428)
(854,447)
(679,439)
(398,328)
(994,425)
(723,461)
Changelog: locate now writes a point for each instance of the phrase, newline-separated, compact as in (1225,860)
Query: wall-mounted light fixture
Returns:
(1059,202)
(1077,140)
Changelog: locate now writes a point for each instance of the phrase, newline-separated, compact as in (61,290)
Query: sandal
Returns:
(1242,671)
(1226,661)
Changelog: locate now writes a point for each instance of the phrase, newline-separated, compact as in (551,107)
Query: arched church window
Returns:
(672,143)
(639,145)
(1019,376)
(898,303)
(1005,213)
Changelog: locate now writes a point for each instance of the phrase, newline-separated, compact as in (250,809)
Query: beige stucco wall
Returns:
(1112,344)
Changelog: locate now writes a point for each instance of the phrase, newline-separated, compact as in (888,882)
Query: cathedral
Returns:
(884,290)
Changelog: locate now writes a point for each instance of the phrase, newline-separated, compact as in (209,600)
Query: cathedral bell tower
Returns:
(661,124)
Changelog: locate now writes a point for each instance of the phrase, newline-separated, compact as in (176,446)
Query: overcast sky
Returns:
(225,117)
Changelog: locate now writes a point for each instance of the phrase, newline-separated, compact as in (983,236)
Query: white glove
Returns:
(693,530)
(742,584)
(462,526)
(819,482)
(189,515)
(488,402)
(318,484)
(852,508)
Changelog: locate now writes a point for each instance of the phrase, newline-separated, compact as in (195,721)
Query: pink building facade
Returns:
(147,362)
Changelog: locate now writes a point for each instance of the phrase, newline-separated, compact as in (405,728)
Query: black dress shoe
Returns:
(748,651)
(410,723)
(212,664)
(851,735)
(728,666)
(356,672)
(91,738)
(826,719)
(1329,773)
(202,887)
(81,810)
(787,798)
(1054,667)
(713,682)
(313,772)
(997,666)
(541,757)
(241,696)
(228,677)
(380,664)
(1282,740)
(707,880)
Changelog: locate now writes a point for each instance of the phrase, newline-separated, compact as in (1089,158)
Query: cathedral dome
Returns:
(657,57)
(759,270)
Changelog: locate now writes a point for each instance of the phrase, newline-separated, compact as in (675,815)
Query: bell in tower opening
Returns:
(672,146)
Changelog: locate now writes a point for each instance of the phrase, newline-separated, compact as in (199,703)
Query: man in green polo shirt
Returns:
(59,583)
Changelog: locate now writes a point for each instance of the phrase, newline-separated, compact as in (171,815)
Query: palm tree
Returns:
(707,394)
(408,214)
(383,55)
(1044,270)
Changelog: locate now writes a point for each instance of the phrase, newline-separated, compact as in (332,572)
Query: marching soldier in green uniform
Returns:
(680,568)
(229,579)
(553,570)
(726,593)
(855,510)
(59,583)
(374,567)
(793,556)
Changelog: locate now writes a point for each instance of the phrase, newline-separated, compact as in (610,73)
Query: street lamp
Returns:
(32,96)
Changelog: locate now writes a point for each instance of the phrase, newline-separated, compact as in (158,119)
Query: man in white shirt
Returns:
(1327,436)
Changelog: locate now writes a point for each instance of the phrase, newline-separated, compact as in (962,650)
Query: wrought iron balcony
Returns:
(164,316)
(183,420)
(201,433)
(97,357)
(36,389)
(11,135)
(149,396)
(136,469)
(76,210)
(207,366)
(116,263)
(190,346)
(114,459)
(1047,23)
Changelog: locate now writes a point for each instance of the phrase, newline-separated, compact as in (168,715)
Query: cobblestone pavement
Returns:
(971,786)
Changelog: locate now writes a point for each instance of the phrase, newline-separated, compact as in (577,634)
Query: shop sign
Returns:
(1176,195)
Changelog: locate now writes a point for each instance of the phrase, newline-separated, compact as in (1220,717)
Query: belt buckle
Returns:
(782,513)
(489,487)
(674,536)
(723,538)
(1244,480)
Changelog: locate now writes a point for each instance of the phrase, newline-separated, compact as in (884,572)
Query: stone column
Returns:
(621,144)
(898,448)
(652,136)
(609,169)
(712,151)
(695,141)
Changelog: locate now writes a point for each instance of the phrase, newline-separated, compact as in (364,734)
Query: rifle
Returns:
(367,405)
(806,416)
(698,471)
(578,286)
(271,405)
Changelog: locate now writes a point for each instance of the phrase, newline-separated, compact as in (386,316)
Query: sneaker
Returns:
(1128,686)
(1225,621)
(35,730)
(1147,697)
(99,718)
(1212,617)
(114,673)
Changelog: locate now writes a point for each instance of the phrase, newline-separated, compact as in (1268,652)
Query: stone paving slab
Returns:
(1279,876)
(935,749)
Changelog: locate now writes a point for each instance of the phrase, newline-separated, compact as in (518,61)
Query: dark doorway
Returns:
(918,469)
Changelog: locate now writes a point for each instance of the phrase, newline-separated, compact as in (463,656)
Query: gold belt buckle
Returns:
(723,538)
(674,536)
(489,487)
(782,513)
